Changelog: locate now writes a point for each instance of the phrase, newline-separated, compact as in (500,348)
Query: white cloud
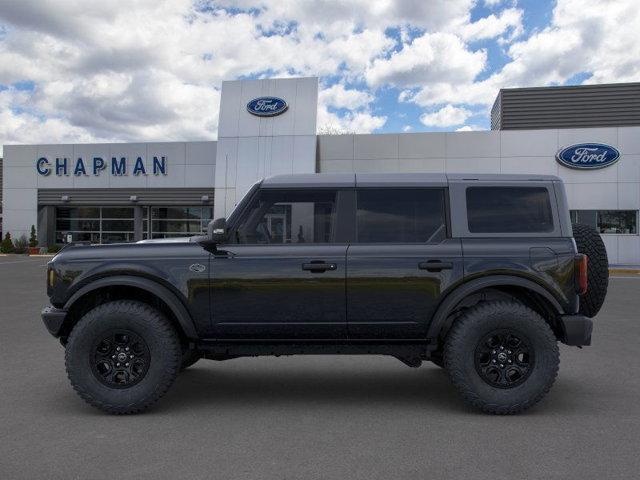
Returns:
(358,118)
(151,69)
(432,57)
(509,20)
(351,122)
(469,128)
(331,16)
(590,36)
(338,96)
(447,116)
(492,3)
(407,128)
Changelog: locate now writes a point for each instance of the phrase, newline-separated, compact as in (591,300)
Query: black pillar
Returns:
(138,215)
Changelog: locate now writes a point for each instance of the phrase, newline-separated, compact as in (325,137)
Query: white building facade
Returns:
(125,192)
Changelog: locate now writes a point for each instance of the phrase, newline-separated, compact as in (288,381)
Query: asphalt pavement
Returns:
(315,417)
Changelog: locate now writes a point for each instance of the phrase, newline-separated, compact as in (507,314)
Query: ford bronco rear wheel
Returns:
(502,357)
(122,356)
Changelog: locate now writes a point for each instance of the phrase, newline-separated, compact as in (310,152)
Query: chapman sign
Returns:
(588,156)
(267,106)
(96,165)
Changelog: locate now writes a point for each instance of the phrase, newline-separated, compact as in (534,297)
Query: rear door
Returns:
(400,263)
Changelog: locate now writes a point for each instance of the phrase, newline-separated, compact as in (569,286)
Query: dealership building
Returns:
(587,135)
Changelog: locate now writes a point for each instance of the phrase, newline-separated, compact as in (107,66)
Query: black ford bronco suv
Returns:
(480,274)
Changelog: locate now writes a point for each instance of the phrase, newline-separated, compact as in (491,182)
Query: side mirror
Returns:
(217,230)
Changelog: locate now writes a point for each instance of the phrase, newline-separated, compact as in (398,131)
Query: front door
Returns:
(401,262)
(282,276)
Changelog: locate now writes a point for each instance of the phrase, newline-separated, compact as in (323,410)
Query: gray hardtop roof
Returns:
(344,180)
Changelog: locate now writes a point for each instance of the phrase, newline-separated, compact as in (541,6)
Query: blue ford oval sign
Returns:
(267,106)
(588,156)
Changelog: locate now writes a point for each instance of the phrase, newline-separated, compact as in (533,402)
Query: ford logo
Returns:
(588,156)
(267,106)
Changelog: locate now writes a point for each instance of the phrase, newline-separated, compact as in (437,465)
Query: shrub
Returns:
(7,244)
(20,245)
(53,249)
(33,239)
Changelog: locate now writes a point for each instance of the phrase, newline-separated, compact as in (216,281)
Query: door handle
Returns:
(319,267)
(435,266)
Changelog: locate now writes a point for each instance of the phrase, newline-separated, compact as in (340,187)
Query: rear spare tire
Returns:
(590,243)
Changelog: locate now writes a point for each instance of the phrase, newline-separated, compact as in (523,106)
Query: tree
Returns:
(33,238)
(7,244)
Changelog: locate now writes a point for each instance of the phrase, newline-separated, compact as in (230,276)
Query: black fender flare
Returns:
(461,292)
(167,296)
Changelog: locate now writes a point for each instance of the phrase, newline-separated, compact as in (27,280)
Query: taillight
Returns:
(581,262)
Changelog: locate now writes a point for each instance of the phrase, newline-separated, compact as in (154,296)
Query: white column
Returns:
(252,147)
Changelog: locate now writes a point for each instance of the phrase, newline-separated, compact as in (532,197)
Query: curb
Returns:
(627,271)
(26,255)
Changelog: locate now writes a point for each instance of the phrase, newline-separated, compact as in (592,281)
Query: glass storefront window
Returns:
(608,221)
(117,225)
(167,222)
(94,224)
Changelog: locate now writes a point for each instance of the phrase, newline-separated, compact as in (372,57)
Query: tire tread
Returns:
(164,328)
(590,243)
(457,376)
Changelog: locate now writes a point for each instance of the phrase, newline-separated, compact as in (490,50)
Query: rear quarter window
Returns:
(509,210)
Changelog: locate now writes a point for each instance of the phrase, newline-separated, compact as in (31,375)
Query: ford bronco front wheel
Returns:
(122,356)
(502,357)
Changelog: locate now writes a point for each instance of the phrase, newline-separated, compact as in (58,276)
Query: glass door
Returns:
(94,224)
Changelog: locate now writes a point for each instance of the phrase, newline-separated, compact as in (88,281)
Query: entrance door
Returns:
(283,273)
(401,262)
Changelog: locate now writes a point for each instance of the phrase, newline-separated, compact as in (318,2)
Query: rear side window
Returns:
(401,215)
(509,210)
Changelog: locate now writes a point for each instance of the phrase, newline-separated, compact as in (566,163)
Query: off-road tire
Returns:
(590,243)
(469,331)
(437,359)
(189,357)
(164,355)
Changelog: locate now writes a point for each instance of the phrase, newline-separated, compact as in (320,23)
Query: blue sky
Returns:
(145,70)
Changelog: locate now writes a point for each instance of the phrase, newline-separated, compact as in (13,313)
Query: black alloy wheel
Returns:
(504,358)
(120,359)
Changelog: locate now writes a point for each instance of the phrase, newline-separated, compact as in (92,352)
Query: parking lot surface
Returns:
(315,417)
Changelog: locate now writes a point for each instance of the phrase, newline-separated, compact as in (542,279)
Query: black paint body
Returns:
(372,292)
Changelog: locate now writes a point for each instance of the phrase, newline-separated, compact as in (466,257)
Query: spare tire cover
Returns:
(590,243)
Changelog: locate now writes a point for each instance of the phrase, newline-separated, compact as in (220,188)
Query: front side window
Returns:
(401,215)
(509,210)
(289,216)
